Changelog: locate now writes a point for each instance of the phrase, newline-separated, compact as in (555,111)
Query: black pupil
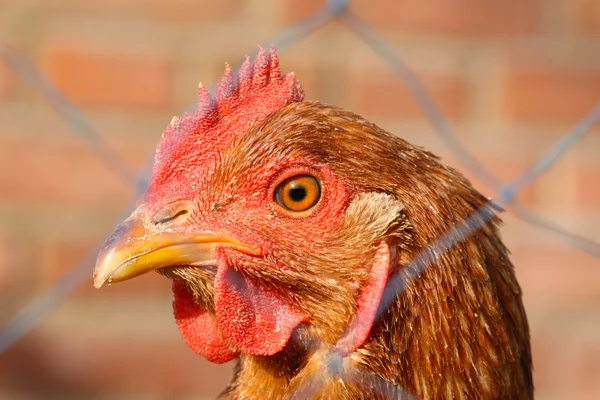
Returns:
(297,192)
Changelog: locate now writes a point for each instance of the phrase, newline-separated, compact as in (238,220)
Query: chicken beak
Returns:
(136,247)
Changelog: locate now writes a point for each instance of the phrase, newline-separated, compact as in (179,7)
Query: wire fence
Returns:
(506,193)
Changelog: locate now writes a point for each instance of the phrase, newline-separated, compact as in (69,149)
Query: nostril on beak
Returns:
(161,220)
(175,212)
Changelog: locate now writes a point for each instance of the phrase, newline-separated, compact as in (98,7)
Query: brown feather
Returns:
(458,330)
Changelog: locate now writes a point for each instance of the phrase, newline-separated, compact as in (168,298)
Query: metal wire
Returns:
(507,193)
(419,94)
(555,153)
(28,317)
(73,117)
(31,315)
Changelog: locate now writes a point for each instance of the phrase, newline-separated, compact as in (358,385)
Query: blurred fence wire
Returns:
(338,10)
(66,111)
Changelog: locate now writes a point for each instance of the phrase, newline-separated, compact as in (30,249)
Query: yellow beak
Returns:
(135,248)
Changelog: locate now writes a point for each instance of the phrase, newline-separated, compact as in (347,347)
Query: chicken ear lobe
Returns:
(368,299)
(255,319)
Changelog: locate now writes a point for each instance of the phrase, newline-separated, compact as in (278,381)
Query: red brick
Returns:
(589,16)
(440,16)
(6,79)
(550,95)
(43,171)
(557,275)
(178,10)
(506,167)
(588,365)
(587,184)
(6,258)
(566,351)
(295,10)
(61,254)
(111,79)
(19,273)
(75,363)
(383,94)
(19,257)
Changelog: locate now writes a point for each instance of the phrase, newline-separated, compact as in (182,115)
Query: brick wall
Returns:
(511,77)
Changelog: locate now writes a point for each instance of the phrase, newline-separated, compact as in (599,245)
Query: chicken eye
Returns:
(298,193)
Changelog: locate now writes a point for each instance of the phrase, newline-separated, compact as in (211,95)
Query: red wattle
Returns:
(257,320)
(199,328)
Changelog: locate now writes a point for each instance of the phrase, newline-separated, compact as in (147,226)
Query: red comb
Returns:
(240,102)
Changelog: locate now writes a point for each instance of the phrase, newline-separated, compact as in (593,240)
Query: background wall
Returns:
(511,77)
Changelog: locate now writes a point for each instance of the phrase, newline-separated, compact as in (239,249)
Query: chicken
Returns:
(281,222)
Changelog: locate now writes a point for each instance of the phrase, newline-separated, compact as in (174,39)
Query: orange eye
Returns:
(298,193)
